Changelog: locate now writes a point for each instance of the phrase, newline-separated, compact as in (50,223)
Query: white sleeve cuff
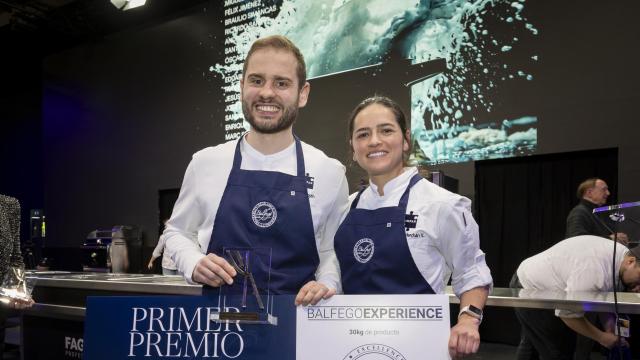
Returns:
(332,282)
(188,264)
(478,275)
(328,272)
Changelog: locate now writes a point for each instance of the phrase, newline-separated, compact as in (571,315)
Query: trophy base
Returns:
(244,317)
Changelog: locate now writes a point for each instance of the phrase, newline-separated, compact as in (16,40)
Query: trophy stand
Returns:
(248,300)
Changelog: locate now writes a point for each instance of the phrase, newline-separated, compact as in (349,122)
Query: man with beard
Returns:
(267,189)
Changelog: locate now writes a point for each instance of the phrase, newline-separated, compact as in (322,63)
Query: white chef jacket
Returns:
(189,229)
(445,240)
(167,263)
(579,263)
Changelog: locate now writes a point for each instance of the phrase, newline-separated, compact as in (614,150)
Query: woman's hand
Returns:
(312,292)
(465,337)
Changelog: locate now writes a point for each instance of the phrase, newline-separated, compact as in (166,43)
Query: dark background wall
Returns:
(587,86)
(21,170)
(121,120)
(122,115)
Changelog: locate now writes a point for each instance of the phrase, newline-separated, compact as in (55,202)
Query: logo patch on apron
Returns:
(363,250)
(410,221)
(264,214)
(310,180)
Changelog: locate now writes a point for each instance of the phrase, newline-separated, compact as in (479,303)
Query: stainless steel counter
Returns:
(628,303)
(138,283)
(63,293)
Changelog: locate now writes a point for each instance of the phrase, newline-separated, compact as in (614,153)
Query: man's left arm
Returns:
(585,328)
(327,281)
(620,237)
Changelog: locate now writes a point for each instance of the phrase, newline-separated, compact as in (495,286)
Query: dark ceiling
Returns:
(46,26)
(30,30)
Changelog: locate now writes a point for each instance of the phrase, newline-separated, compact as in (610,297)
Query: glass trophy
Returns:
(248,300)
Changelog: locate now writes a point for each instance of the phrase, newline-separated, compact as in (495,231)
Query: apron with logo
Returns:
(269,210)
(371,246)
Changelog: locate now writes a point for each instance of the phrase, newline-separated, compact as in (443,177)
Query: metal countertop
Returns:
(153,284)
(138,283)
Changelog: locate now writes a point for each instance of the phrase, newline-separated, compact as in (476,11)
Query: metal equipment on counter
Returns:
(116,250)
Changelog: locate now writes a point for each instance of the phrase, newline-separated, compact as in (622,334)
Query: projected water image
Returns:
(457,115)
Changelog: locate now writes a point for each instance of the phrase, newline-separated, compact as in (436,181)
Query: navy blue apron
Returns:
(371,246)
(269,209)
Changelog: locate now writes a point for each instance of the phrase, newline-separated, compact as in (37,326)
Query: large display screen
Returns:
(460,65)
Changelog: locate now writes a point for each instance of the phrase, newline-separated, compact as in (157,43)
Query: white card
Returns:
(374,327)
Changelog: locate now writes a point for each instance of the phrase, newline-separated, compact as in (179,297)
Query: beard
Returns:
(289,116)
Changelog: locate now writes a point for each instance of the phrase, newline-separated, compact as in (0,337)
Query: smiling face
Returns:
(270,92)
(378,142)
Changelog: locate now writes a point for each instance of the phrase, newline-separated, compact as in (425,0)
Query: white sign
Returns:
(374,327)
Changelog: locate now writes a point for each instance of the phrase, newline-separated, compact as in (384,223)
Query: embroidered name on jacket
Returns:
(264,214)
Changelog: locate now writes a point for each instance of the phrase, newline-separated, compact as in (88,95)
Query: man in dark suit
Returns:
(592,193)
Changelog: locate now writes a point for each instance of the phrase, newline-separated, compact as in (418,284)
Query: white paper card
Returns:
(372,327)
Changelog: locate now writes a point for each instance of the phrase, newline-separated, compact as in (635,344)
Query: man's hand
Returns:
(465,337)
(610,340)
(312,292)
(214,271)
(622,238)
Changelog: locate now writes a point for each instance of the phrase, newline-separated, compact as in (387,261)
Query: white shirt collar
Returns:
(397,184)
(249,150)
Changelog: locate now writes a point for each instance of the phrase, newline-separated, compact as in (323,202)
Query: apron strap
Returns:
(237,157)
(355,201)
(299,157)
(405,197)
